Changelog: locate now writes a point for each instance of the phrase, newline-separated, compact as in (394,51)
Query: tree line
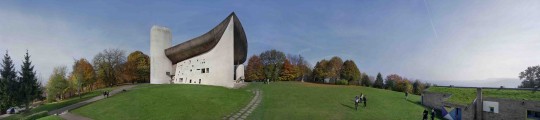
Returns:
(273,65)
(530,77)
(108,68)
(18,88)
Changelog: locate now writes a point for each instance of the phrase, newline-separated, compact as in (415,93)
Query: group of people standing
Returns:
(106,94)
(358,100)
(425,114)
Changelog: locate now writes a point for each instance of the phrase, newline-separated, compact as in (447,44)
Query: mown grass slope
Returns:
(309,101)
(60,104)
(165,102)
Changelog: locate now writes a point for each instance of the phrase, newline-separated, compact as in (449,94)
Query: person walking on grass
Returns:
(432,114)
(364,99)
(356,100)
(406,95)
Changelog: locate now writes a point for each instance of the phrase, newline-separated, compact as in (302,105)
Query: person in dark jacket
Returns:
(364,100)
(425,114)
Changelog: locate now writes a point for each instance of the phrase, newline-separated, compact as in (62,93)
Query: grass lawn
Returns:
(309,101)
(465,96)
(168,102)
(51,117)
(57,105)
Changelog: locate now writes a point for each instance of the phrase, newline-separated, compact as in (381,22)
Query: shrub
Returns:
(343,82)
(36,115)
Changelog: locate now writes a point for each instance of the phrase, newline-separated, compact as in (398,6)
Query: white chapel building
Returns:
(214,58)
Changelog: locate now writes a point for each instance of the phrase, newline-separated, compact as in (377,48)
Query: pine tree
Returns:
(378,81)
(29,85)
(9,83)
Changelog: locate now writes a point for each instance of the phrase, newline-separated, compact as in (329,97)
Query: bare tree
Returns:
(108,65)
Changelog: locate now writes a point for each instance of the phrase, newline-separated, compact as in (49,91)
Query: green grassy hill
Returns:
(160,102)
(294,100)
(58,105)
(281,100)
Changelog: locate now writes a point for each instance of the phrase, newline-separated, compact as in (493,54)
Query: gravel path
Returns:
(246,111)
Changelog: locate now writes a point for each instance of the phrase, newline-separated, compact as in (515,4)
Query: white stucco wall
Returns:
(488,104)
(160,39)
(240,72)
(218,64)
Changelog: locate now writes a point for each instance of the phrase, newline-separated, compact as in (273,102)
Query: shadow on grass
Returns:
(348,106)
(417,103)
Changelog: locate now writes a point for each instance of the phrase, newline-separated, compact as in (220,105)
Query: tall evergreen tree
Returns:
(9,83)
(2,95)
(29,85)
(378,81)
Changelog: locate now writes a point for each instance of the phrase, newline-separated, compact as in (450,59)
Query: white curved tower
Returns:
(160,39)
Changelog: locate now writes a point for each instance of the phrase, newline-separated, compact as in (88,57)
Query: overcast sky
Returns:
(468,43)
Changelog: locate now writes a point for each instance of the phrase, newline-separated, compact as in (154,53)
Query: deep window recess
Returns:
(207,70)
(199,81)
(203,70)
(535,115)
(190,81)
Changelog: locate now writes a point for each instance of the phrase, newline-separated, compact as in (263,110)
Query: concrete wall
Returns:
(434,100)
(160,39)
(218,64)
(438,100)
(510,109)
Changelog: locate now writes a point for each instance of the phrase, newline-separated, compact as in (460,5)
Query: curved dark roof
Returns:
(209,40)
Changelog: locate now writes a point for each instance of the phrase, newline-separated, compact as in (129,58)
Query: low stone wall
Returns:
(433,99)
(438,100)
(510,109)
